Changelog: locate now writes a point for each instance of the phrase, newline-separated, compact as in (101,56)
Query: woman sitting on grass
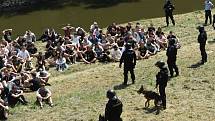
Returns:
(61,63)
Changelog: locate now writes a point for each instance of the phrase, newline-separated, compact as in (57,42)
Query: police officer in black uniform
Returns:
(161,81)
(129,59)
(168,8)
(113,109)
(171,57)
(202,38)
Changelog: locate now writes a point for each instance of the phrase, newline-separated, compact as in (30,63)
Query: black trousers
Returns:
(203,52)
(126,70)
(169,15)
(163,95)
(208,15)
(172,66)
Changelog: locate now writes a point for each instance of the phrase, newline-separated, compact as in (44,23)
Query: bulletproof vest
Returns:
(129,56)
(113,110)
(162,76)
(202,38)
(171,52)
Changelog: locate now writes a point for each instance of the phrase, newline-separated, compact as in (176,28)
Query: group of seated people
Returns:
(96,45)
(24,68)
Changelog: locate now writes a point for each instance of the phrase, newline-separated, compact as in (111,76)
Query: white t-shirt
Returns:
(116,54)
(208,5)
(30,38)
(23,54)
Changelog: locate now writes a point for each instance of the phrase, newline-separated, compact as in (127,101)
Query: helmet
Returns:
(160,64)
(111,94)
(201,28)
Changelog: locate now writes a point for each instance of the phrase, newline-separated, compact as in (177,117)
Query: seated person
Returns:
(41,62)
(89,56)
(142,51)
(44,94)
(70,54)
(116,53)
(61,63)
(34,82)
(23,54)
(43,76)
(3,110)
(99,51)
(15,96)
(151,48)
(161,40)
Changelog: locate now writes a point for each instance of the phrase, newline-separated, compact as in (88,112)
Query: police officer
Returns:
(161,81)
(202,38)
(129,59)
(113,109)
(171,57)
(168,8)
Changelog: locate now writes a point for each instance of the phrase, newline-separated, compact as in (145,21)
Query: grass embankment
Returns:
(79,92)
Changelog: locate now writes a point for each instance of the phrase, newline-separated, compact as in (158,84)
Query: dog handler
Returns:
(161,81)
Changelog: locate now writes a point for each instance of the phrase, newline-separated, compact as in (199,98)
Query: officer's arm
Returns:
(122,58)
(107,112)
(206,37)
(135,59)
(167,52)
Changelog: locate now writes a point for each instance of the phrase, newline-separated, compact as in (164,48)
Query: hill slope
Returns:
(79,93)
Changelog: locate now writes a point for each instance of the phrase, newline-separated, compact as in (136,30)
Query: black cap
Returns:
(111,93)
(160,64)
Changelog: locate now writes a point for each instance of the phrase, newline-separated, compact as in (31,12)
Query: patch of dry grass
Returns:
(79,93)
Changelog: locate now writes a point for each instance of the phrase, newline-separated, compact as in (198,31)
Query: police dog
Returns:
(150,95)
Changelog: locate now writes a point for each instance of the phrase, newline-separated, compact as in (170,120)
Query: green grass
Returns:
(79,92)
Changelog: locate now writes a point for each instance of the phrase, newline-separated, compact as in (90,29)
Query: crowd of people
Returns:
(25,68)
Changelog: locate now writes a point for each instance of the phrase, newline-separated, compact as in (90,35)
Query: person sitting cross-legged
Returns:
(44,94)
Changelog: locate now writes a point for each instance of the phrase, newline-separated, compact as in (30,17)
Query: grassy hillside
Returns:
(79,92)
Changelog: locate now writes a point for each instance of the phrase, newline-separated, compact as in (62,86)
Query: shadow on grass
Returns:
(147,110)
(152,110)
(211,42)
(120,86)
(196,65)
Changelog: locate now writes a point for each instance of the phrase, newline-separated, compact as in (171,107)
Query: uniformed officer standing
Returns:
(129,59)
(171,57)
(161,81)
(168,8)
(113,109)
(202,38)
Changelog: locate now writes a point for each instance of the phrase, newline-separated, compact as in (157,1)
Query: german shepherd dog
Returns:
(150,95)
